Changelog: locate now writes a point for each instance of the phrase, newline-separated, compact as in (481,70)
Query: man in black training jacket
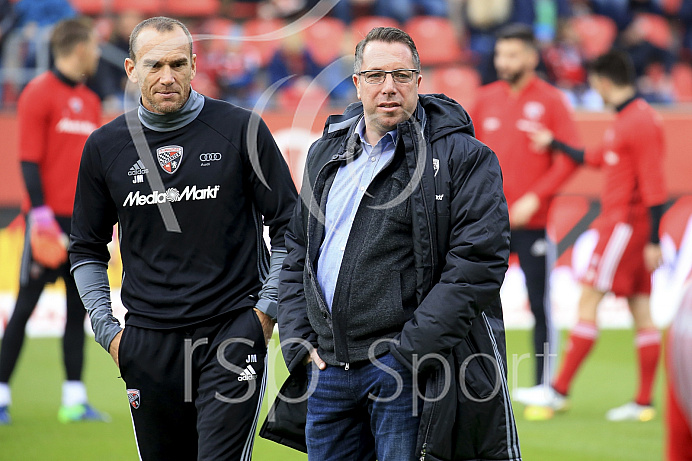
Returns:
(190,181)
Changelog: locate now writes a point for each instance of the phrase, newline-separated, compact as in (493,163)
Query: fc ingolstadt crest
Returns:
(169,158)
(133,397)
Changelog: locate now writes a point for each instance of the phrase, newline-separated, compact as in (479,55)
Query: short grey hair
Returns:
(387,35)
(161,24)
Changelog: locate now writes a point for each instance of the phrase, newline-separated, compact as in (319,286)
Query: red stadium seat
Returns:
(458,82)
(241,10)
(435,39)
(104,27)
(192,8)
(671,6)
(215,33)
(146,7)
(89,7)
(205,85)
(364,24)
(596,34)
(681,75)
(301,94)
(262,36)
(655,30)
(323,39)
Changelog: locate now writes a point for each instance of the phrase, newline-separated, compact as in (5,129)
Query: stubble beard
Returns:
(513,78)
(169,108)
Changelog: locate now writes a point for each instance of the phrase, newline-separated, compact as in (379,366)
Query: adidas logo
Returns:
(248,374)
(137,171)
(137,168)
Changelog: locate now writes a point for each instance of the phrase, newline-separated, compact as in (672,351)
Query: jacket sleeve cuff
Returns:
(575,154)
(108,333)
(656,214)
(297,363)
(268,307)
(269,294)
(92,283)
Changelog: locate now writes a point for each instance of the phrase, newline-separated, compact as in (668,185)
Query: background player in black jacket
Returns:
(190,181)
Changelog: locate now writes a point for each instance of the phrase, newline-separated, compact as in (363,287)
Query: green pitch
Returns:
(583,434)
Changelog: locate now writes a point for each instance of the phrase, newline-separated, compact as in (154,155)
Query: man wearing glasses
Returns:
(396,254)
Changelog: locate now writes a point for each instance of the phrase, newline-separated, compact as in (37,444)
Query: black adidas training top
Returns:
(218,260)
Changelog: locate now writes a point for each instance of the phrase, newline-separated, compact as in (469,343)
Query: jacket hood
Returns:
(445,116)
(440,116)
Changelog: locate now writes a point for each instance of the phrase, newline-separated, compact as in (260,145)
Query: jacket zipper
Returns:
(427,216)
(424,448)
(346,365)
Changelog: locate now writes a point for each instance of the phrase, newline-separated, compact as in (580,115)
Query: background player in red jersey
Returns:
(503,112)
(628,249)
(56,114)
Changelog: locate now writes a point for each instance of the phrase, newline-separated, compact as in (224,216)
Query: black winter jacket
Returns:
(461,247)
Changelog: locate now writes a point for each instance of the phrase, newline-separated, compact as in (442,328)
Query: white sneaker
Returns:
(541,396)
(631,412)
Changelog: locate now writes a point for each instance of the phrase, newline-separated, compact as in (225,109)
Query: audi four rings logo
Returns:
(210,157)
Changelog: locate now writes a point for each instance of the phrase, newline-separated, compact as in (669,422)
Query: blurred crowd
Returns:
(282,53)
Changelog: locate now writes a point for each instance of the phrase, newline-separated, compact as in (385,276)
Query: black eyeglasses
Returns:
(379,76)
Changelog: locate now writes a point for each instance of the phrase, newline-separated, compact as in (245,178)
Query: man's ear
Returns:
(193,66)
(130,70)
(356,79)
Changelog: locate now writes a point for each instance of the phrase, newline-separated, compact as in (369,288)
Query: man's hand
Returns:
(314,357)
(267,325)
(541,138)
(653,256)
(114,347)
(523,210)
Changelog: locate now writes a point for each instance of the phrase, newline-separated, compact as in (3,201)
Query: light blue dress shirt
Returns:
(348,188)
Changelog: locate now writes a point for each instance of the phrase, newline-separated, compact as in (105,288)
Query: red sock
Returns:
(648,349)
(581,340)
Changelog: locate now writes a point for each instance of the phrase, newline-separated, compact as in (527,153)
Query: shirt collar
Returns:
(63,78)
(621,107)
(360,129)
(529,85)
(174,120)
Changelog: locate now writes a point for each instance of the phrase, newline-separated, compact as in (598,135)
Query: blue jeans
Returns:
(345,424)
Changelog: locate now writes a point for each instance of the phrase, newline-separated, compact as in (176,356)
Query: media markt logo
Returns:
(169,158)
(171,195)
